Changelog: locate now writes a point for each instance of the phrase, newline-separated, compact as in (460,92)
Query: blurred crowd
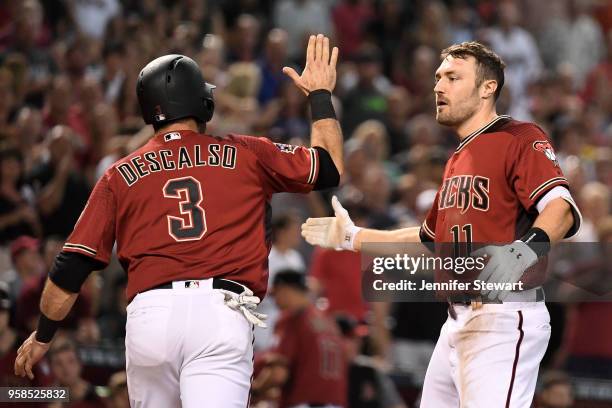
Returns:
(68,110)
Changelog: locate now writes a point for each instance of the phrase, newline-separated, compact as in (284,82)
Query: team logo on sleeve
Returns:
(545,147)
(286,148)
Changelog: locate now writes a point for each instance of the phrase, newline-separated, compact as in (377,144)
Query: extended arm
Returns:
(318,81)
(509,262)
(340,232)
(60,292)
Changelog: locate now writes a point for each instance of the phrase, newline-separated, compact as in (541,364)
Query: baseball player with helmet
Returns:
(502,186)
(190,213)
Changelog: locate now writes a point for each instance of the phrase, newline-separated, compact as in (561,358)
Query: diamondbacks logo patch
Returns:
(545,147)
(286,148)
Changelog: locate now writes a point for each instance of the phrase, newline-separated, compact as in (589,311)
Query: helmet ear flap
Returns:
(209,105)
(209,102)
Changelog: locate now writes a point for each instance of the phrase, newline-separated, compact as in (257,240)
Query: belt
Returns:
(524,296)
(476,301)
(217,283)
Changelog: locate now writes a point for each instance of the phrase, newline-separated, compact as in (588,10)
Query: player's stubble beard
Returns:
(459,110)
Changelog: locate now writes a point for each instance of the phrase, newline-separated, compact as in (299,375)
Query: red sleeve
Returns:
(283,167)
(94,231)
(287,338)
(534,168)
(428,228)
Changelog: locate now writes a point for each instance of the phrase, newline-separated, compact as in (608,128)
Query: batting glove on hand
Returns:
(506,264)
(331,232)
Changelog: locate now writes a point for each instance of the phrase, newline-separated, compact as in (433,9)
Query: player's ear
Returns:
(488,88)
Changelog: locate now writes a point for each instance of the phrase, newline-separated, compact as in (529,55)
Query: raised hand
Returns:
(320,69)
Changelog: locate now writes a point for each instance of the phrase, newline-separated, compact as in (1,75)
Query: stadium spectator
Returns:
(351,18)
(308,362)
(572,36)
(92,17)
(9,342)
(283,255)
(399,103)
(112,319)
(588,339)
(17,216)
(366,98)
(66,368)
(271,64)
(555,391)
(32,268)
(300,18)
(61,192)
(368,385)
(335,276)
(27,263)
(518,49)
(244,39)
(117,385)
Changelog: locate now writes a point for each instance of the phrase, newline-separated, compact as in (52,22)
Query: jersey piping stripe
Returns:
(83,248)
(427,230)
(313,165)
(576,212)
(516,357)
(546,184)
(480,131)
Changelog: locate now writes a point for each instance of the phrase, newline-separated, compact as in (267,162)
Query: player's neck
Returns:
(188,124)
(475,122)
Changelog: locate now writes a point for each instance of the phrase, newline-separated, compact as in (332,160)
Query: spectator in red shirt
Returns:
(26,262)
(308,362)
(351,17)
(335,276)
(599,80)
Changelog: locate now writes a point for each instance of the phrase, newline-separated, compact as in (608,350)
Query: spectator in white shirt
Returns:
(519,51)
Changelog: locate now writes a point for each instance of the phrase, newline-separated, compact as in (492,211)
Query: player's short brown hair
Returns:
(490,65)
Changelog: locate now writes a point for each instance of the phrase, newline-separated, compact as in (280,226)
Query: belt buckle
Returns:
(476,303)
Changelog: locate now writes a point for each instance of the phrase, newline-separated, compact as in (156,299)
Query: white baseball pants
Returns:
(488,357)
(186,348)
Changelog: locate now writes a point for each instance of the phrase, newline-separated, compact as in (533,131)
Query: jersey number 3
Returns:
(191,225)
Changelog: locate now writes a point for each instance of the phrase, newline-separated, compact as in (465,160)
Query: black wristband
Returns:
(538,240)
(321,106)
(46,329)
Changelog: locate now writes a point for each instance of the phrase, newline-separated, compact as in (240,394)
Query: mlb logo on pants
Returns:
(192,284)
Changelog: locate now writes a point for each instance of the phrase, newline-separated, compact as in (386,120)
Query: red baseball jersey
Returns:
(192,206)
(491,186)
(311,345)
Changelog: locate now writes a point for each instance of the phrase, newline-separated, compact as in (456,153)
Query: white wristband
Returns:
(349,237)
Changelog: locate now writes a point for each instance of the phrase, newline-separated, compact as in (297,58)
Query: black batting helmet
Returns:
(172,87)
